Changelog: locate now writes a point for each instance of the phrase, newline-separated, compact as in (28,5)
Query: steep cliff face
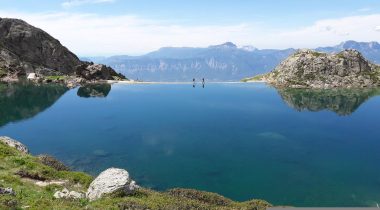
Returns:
(308,68)
(26,49)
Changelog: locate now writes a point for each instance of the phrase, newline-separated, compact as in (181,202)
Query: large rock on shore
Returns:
(91,71)
(25,49)
(110,181)
(15,144)
(311,69)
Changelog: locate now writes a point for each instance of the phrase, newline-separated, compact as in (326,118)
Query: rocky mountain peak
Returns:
(26,49)
(227,45)
(359,45)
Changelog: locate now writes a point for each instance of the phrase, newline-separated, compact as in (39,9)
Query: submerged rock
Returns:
(271,136)
(15,144)
(110,181)
(311,69)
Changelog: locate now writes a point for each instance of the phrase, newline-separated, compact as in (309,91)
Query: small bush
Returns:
(52,162)
(204,197)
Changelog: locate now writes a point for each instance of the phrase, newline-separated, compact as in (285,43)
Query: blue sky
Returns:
(139,26)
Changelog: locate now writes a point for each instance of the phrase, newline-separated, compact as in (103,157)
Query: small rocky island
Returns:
(29,52)
(312,69)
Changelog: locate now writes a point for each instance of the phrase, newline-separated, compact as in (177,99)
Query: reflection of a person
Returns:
(193,82)
(203,85)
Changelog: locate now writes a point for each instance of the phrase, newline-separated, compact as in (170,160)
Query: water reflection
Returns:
(341,101)
(94,90)
(25,100)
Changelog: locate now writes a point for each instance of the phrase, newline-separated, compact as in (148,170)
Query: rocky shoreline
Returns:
(42,182)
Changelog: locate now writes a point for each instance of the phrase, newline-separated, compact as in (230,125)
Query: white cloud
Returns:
(74,3)
(89,34)
(333,31)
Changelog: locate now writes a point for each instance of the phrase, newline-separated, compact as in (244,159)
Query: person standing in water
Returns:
(193,82)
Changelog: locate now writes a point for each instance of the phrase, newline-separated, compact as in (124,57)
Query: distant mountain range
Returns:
(225,62)
(370,50)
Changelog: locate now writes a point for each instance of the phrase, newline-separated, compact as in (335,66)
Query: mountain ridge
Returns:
(224,62)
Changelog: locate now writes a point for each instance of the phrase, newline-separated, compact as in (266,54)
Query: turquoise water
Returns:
(244,141)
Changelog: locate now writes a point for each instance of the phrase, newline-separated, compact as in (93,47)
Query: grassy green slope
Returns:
(30,196)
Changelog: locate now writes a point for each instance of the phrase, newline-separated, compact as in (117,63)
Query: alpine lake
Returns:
(297,147)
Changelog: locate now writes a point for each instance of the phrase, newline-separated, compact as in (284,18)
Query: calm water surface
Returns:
(244,141)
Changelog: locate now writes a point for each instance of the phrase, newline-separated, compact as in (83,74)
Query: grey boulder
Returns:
(7,191)
(110,181)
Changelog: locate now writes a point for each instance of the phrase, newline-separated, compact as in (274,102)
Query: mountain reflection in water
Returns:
(94,90)
(341,101)
(25,100)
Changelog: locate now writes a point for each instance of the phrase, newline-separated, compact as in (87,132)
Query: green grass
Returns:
(255,78)
(35,197)
(318,54)
(56,77)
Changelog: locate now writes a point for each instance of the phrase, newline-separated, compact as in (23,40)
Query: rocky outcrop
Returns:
(311,69)
(91,71)
(110,181)
(15,144)
(25,49)
(66,194)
